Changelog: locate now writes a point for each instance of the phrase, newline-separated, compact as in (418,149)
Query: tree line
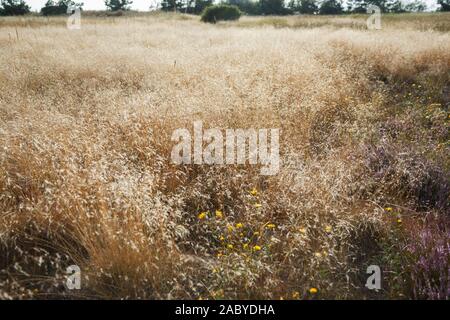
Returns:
(280,7)
(250,7)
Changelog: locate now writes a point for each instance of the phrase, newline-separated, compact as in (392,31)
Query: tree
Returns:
(395,6)
(445,5)
(57,8)
(416,6)
(330,7)
(308,7)
(172,5)
(186,6)
(304,6)
(273,7)
(248,6)
(14,8)
(379,3)
(200,5)
(116,5)
(360,6)
(357,6)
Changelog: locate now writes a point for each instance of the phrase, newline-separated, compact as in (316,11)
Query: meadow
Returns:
(86,118)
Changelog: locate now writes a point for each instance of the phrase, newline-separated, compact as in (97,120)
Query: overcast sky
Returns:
(96,4)
(142,5)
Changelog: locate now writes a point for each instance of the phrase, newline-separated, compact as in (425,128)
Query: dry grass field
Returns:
(86,118)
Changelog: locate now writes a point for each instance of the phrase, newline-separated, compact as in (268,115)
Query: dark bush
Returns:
(215,13)
(13,8)
(53,10)
(274,7)
(330,7)
(60,7)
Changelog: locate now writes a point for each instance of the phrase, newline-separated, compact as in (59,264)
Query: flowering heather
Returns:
(431,270)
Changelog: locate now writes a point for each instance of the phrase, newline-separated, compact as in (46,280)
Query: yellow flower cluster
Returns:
(254,193)
(204,215)
(237,235)
(390,210)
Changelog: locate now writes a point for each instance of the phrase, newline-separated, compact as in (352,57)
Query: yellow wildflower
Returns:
(258,205)
(318,255)
(245,245)
(254,192)
(257,248)
(399,221)
(328,229)
(222,238)
(256,233)
(230,228)
(271,226)
(219,214)
(218,293)
(239,225)
(202,215)
(302,230)
(388,209)
(230,246)
(295,295)
(313,290)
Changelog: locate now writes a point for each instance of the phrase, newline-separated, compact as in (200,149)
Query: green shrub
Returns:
(215,13)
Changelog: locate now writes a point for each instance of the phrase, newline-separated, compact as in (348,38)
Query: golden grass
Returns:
(408,21)
(85,175)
